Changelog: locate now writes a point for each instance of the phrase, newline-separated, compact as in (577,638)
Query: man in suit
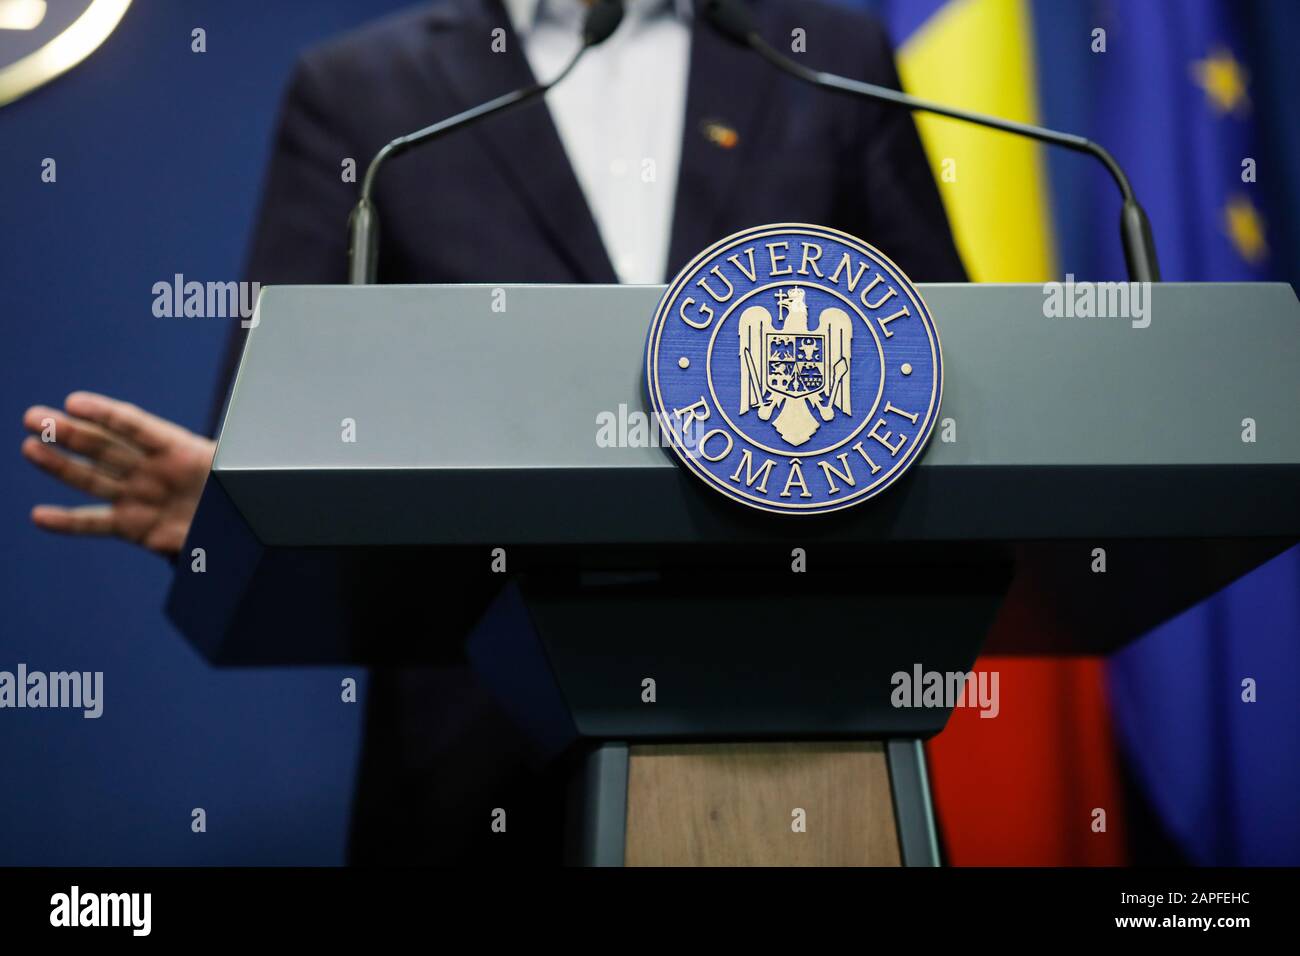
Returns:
(663,140)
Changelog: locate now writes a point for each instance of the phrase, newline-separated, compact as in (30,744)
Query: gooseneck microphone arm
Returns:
(732,19)
(603,17)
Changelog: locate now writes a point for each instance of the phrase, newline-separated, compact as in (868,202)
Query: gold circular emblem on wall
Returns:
(78,35)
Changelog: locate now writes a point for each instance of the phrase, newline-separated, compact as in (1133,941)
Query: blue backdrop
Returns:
(159,156)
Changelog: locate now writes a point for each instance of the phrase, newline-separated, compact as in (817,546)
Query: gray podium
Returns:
(481,434)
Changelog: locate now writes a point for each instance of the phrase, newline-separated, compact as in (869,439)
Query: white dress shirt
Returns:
(620,116)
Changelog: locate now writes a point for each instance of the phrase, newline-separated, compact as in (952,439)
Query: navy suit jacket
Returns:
(500,203)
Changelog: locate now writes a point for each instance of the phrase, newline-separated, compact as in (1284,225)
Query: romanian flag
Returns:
(1023,788)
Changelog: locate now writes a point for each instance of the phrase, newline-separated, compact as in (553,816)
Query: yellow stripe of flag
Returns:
(978,54)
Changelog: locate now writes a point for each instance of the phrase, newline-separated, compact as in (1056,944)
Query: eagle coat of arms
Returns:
(791,375)
(807,404)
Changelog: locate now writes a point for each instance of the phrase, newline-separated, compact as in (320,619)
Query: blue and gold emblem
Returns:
(795,369)
(40,39)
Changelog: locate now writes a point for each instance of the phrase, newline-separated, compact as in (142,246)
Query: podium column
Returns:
(832,803)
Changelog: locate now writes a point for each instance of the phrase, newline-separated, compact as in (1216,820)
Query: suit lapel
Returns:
(527,149)
(721,127)
(523,142)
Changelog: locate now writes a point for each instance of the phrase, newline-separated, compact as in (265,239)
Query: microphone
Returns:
(602,19)
(732,19)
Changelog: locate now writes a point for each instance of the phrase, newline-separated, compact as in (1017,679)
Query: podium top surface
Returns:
(517,412)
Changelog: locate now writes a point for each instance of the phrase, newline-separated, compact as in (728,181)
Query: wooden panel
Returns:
(734,805)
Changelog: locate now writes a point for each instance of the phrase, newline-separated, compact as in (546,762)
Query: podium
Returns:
(715,674)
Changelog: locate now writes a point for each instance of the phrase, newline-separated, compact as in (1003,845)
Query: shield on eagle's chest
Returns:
(796,363)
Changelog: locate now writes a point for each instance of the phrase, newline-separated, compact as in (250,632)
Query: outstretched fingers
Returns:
(86,519)
(123,420)
(82,475)
(83,437)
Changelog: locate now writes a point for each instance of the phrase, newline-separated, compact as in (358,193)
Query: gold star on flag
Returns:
(1224,81)
(1245,229)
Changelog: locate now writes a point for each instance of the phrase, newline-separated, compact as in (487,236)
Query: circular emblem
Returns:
(794,368)
(40,40)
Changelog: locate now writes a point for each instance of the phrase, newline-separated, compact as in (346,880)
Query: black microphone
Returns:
(602,19)
(732,19)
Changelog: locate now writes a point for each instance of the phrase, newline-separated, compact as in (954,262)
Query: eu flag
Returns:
(1204,706)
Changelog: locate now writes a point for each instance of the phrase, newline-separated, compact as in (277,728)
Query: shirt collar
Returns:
(525,14)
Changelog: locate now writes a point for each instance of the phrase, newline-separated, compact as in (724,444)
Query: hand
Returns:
(149,470)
